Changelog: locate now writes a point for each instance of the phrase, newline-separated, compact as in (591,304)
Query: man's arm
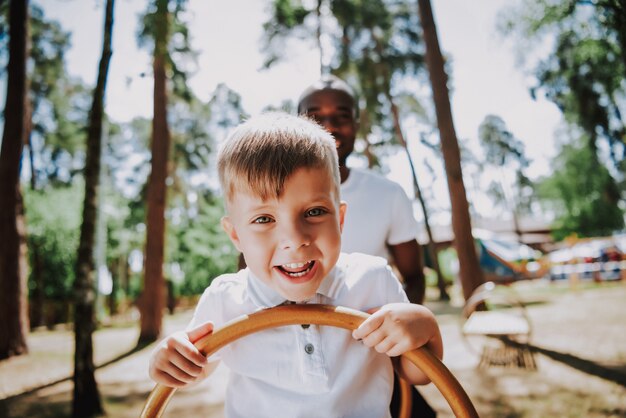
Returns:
(407,258)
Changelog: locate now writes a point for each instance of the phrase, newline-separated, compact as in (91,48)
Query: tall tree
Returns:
(86,399)
(470,272)
(54,130)
(153,297)
(13,275)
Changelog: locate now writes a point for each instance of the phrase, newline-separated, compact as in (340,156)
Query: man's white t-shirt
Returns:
(292,371)
(379,214)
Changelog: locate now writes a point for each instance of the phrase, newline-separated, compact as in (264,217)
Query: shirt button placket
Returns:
(309,348)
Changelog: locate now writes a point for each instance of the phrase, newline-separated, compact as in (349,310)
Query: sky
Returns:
(487,78)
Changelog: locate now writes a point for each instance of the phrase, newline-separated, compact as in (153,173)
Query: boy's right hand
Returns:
(176,362)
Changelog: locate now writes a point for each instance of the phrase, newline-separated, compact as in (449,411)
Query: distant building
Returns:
(532,231)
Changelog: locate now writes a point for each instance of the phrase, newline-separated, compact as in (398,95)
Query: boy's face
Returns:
(291,242)
(334,110)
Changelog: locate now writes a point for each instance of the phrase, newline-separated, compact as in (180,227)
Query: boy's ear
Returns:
(343,206)
(229,228)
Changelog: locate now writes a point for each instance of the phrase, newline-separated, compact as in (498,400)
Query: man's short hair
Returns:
(261,154)
(328,82)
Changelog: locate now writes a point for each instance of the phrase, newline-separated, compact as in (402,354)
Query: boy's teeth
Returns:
(295,265)
(297,269)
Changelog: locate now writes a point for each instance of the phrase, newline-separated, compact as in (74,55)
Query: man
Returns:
(379,219)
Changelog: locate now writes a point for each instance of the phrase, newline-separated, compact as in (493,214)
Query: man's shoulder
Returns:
(359,266)
(367,281)
(360,259)
(374,179)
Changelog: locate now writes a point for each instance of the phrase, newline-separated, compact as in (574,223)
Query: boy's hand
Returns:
(176,362)
(396,328)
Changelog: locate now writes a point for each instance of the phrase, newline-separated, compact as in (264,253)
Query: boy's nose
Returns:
(295,237)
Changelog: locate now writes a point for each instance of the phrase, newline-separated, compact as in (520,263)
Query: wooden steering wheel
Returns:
(335,316)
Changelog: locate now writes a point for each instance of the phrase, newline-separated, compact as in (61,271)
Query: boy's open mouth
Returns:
(296,269)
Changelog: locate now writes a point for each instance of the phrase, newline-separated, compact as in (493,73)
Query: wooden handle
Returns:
(336,316)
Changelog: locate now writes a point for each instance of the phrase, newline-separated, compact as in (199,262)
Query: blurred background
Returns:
(110,205)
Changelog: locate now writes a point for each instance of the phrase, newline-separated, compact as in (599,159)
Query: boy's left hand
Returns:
(396,328)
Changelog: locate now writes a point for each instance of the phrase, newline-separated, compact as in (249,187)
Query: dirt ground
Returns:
(579,341)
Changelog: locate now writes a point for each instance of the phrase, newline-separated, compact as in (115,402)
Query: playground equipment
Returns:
(496,326)
(328,315)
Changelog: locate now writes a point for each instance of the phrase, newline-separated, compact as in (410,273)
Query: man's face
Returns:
(291,242)
(334,110)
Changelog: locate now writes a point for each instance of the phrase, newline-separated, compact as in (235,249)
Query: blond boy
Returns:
(280,179)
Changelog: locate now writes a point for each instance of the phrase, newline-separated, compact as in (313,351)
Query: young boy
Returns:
(280,179)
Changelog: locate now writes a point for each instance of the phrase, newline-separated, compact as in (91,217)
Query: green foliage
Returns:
(585,204)
(583,78)
(289,14)
(504,152)
(287,18)
(197,243)
(197,250)
(195,240)
(377,46)
(381,45)
(59,104)
(584,74)
(500,146)
(180,57)
(53,219)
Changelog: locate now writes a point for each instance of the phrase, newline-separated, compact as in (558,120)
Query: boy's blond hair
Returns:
(261,154)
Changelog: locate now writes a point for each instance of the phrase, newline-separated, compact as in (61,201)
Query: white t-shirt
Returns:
(320,371)
(379,214)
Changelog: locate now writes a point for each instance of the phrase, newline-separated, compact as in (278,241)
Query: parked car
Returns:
(594,258)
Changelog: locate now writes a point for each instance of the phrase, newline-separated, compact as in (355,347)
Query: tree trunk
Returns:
(318,35)
(37,280)
(13,268)
(86,397)
(38,296)
(443,295)
(28,130)
(432,251)
(470,273)
(114,268)
(153,297)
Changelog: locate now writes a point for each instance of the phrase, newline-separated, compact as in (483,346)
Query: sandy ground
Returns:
(579,340)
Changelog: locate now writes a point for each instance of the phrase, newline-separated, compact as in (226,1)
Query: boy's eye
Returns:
(315,212)
(262,220)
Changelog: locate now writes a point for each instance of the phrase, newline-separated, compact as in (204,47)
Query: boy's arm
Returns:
(396,328)
(176,362)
